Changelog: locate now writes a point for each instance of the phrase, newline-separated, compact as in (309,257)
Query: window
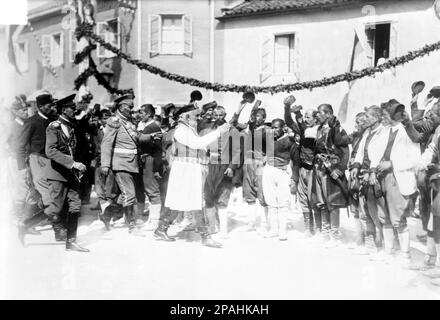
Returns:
(380,42)
(378,37)
(280,57)
(170,34)
(53,49)
(73,45)
(110,32)
(21,53)
(284,54)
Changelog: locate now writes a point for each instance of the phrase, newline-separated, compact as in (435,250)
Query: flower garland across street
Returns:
(86,30)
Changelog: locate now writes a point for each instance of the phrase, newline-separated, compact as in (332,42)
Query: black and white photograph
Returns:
(217,150)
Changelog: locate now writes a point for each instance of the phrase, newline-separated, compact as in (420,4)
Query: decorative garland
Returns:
(46,58)
(92,71)
(80,56)
(87,30)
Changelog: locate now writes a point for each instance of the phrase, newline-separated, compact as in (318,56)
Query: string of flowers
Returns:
(92,71)
(348,76)
(80,56)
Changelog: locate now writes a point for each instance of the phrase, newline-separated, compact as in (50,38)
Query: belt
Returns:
(126,151)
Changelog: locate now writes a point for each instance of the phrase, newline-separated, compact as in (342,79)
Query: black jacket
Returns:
(32,140)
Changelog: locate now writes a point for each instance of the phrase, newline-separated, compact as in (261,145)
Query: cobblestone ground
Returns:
(120,266)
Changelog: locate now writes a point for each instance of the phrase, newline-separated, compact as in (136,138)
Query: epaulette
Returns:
(55,124)
(114,122)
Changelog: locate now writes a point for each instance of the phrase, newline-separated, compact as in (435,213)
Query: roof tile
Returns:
(250,7)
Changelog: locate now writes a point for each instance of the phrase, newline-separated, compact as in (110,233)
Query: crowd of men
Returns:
(188,160)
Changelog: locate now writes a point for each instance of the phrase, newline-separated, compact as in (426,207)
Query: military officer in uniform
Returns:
(119,153)
(65,179)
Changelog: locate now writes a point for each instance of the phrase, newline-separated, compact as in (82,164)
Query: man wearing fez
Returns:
(31,154)
(329,191)
(119,153)
(185,185)
(195,96)
(64,182)
(207,121)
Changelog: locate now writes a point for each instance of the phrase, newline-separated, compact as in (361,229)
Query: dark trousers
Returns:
(218,187)
(150,183)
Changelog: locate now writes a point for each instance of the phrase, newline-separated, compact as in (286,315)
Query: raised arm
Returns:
(189,138)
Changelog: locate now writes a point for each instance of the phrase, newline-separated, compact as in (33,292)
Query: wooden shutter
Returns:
(266,58)
(187,36)
(366,46)
(73,45)
(154,43)
(393,44)
(296,57)
(61,51)
(46,42)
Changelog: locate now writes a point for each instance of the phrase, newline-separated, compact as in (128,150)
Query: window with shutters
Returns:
(21,53)
(110,31)
(280,56)
(57,50)
(380,40)
(73,45)
(170,34)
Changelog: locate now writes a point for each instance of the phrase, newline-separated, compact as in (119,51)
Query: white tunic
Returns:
(184,191)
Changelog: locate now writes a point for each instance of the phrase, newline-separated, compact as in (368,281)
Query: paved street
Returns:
(248,267)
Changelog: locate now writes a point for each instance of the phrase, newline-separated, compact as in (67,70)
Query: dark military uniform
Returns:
(64,181)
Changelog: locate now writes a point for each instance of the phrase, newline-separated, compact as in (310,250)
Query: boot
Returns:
(404,257)
(209,242)
(188,223)
(24,226)
(272,218)
(60,231)
(429,259)
(132,229)
(161,233)
(153,218)
(434,272)
(282,224)
(72,227)
(105,216)
(223,217)
(210,214)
